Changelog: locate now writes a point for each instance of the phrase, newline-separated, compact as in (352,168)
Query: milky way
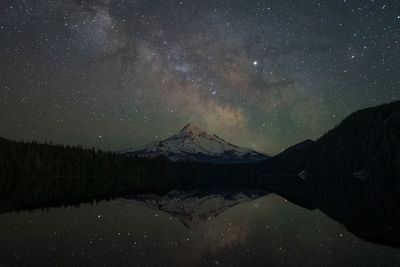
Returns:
(261,74)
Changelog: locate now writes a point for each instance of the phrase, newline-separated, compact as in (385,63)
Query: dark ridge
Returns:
(296,147)
(366,141)
(3,140)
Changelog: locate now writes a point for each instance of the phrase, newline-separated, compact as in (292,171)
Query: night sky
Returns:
(261,74)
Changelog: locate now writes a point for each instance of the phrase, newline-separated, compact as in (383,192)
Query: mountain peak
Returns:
(191,129)
(195,144)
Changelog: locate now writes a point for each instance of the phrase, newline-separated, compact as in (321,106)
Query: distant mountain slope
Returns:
(368,140)
(196,145)
(296,147)
(2,140)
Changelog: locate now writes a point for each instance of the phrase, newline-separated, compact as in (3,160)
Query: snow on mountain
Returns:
(194,144)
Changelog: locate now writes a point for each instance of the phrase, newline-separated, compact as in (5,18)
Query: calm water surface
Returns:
(268,231)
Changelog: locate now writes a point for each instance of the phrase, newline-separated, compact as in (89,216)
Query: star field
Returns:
(261,74)
(266,232)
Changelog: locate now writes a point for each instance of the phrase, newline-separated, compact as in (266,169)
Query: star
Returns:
(102,69)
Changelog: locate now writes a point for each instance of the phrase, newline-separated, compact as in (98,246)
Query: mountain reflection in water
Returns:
(191,208)
(215,225)
(267,231)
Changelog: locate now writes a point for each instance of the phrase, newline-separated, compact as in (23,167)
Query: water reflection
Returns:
(214,224)
(267,231)
(193,207)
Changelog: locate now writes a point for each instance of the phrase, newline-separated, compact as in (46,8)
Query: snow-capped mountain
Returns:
(194,144)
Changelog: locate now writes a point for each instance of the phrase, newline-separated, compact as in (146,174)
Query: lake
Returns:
(207,229)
